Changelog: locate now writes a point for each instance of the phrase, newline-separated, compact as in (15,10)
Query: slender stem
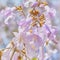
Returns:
(6,48)
(24,14)
(0,57)
(42,53)
(12,54)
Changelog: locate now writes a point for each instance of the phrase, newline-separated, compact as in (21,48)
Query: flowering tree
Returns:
(35,32)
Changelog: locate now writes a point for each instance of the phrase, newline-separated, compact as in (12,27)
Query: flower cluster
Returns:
(35,32)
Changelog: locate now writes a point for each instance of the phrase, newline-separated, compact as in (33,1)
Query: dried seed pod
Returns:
(42,20)
(45,3)
(20,58)
(33,24)
(34,12)
(19,8)
(0,54)
(34,18)
(41,23)
(42,17)
(23,51)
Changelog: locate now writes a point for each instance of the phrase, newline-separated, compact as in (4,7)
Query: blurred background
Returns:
(6,34)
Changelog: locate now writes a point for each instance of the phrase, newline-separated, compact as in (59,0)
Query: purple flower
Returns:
(34,4)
